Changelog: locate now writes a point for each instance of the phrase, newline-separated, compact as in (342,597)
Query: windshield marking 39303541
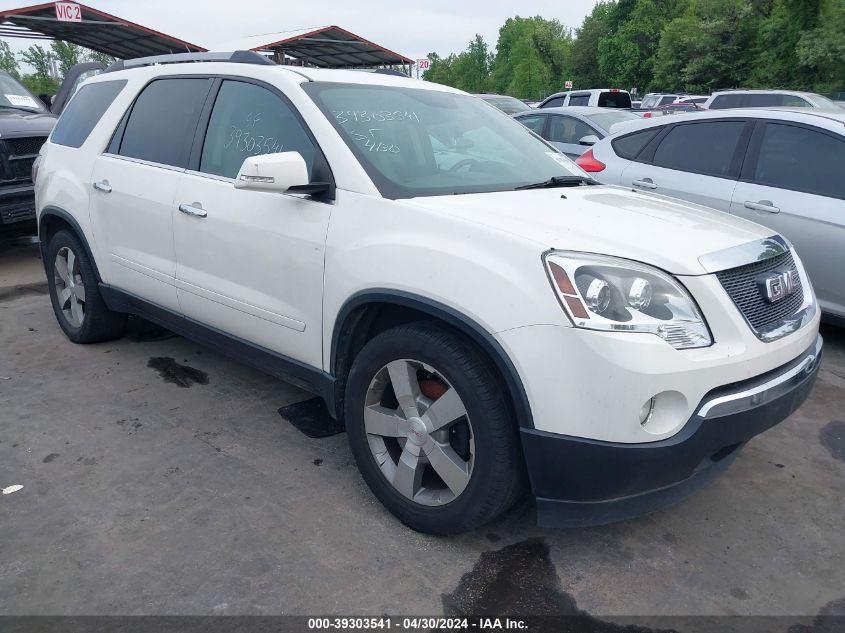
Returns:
(417,142)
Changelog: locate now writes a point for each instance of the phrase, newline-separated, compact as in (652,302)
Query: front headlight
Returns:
(608,293)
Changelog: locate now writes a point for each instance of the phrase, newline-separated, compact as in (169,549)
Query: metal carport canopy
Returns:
(98,30)
(325,47)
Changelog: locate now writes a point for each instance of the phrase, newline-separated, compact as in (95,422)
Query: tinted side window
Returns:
(763,101)
(579,100)
(565,129)
(783,161)
(248,120)
(163,120)
(535,122)
(702,148)
(631,145)
(614,100)
(84,110)
(726,101)
(554,103)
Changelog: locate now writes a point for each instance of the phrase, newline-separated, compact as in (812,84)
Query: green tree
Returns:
(707,48)
(97,56)
(440,69)
(471,69)
(67,55)
(40,81)
(585,47)
(821,51)
(776,64)
(532,57)
(626,54)
(39,58)
(8,62)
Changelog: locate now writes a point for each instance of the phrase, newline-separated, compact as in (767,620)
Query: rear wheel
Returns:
(430,430)
(80,310)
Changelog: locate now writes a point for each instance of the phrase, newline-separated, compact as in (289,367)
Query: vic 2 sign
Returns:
(423,64)
(68,12)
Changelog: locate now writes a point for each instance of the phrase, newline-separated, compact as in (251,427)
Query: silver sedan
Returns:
(574,129)
(780,168)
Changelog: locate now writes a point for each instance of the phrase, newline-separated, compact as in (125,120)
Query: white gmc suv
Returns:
(478,312)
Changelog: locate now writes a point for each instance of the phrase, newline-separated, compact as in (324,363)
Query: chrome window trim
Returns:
(766,392)
(210,176)
(141,161)
(749,253)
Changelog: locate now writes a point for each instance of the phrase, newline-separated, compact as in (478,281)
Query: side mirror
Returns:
(46,99)
(284,172)
(590,139)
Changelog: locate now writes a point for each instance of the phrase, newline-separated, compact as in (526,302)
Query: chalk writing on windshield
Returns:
(367,116)
(372,143)
(244,140)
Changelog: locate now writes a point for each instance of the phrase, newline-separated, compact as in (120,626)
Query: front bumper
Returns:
(581,482)
(17,205)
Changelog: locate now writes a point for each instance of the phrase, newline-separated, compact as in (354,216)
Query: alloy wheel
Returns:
(419,432)
(70,290)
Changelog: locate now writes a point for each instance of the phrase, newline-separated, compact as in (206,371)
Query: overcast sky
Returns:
(412,29)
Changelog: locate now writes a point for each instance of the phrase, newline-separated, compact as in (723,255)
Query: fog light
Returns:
(646,411)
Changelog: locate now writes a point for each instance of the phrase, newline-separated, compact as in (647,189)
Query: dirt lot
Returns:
(159,478)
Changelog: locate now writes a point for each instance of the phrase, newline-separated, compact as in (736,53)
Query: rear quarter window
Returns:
(630,146)
(84,111)
(163,120)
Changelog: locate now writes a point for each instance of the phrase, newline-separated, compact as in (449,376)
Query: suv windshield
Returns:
(416,142)
(14,95)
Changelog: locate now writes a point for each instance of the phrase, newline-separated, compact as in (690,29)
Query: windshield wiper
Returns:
(559,181)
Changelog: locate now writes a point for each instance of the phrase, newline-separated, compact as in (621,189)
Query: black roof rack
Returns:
(238,57)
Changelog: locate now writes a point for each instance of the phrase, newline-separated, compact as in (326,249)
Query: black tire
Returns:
(99,323)
(497,478)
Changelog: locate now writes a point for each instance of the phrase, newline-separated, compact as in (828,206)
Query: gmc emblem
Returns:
(777,286)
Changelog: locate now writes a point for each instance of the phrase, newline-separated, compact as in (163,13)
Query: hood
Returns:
(663,232)
(18,123)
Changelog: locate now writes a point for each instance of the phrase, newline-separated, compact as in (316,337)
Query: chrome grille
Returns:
(743,286)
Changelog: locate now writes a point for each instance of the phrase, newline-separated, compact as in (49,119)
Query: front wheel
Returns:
(430,431)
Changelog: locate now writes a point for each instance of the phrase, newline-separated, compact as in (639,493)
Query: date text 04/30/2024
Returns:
(417,624)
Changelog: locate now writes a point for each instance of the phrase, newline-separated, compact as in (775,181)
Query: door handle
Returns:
(645,183)
(194,209)
(103,185)
(763,205)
